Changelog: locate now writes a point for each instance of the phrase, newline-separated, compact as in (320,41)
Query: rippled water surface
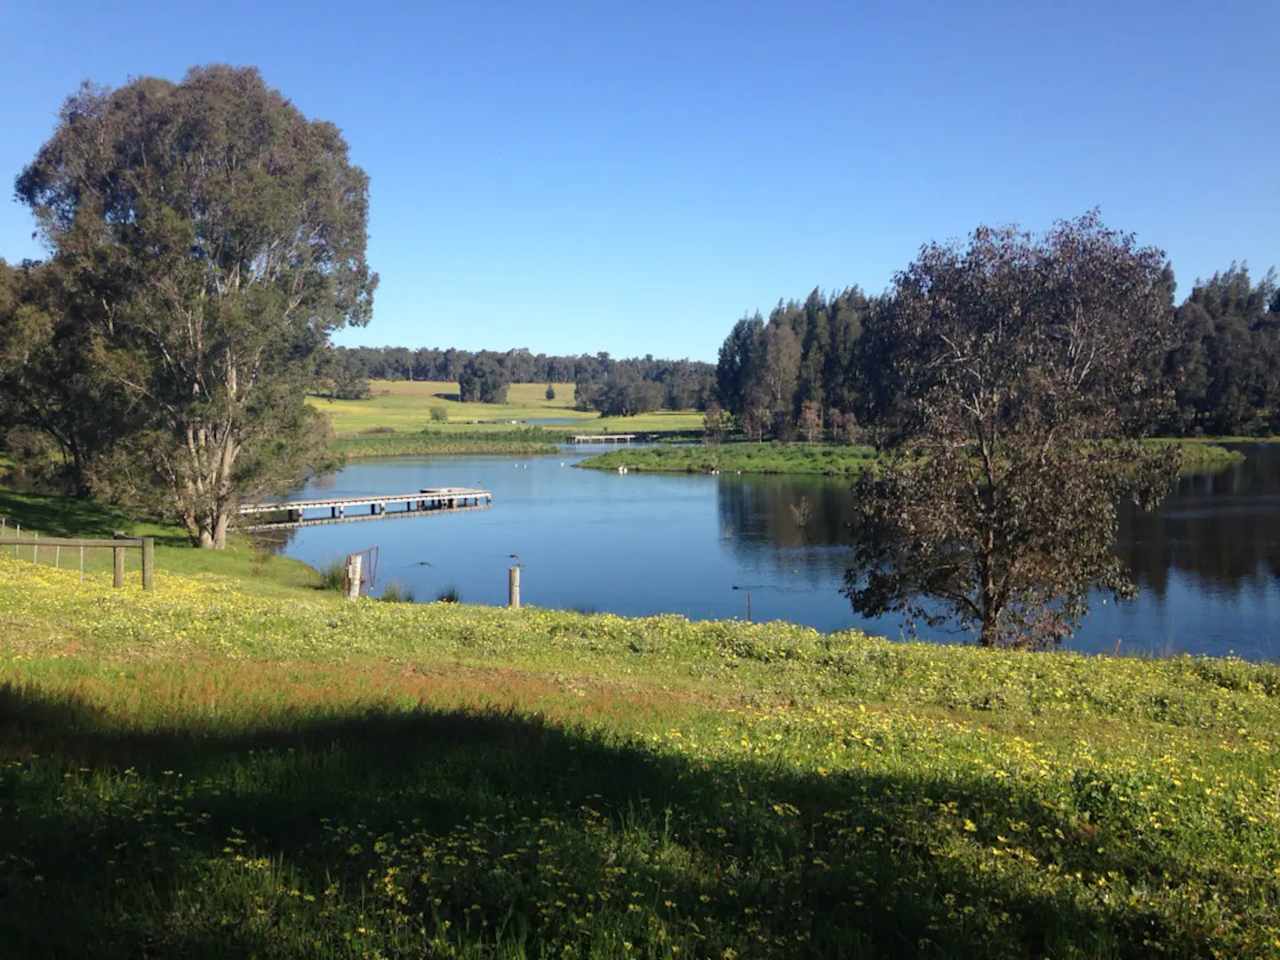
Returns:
(1208,562)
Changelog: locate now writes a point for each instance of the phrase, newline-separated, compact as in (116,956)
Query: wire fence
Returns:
(84,555)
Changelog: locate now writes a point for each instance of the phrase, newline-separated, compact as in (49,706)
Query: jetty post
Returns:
(513,587)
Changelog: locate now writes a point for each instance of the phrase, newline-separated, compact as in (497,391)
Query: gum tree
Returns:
(216,237)
(1015,380)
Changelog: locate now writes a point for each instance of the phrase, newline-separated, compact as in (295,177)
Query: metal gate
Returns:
(364,564)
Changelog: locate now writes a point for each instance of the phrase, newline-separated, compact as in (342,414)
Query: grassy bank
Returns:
(742,457)
(1202,457)
(205,771)
(817,458)
(257,571)
(530,440)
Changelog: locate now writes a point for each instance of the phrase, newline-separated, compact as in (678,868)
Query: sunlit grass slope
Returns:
(405,406)
(397,420)
(256,571)
(206,772)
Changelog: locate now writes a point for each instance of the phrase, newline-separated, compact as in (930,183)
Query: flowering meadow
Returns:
(205,771)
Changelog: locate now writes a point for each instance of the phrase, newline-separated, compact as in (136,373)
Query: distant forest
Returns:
(614,387)
(812,369)
(815,369)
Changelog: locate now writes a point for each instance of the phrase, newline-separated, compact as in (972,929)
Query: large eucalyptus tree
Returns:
(215,237)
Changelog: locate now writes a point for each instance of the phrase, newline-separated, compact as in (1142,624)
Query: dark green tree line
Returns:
(798,372)
(603,383)
(816,369)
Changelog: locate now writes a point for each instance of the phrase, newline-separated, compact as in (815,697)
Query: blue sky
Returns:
(633,177)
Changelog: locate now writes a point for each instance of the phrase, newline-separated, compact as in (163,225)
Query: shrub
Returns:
(334,576)
(396,592)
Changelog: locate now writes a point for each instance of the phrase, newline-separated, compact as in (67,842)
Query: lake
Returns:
(1207,563)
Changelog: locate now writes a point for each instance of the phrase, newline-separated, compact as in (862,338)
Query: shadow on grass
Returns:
(59,516)
(199,841)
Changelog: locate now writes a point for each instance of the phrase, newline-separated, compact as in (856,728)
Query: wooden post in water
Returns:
(353,576)
(513,587)
(117,556)
(148,562)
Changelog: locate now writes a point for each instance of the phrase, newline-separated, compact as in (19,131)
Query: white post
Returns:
(513,588)
(353,576)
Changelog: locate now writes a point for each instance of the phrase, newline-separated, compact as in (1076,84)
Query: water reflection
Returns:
(1222,529)
(1207,563)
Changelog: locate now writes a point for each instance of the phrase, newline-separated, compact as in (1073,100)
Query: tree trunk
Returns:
(220,525)
(990,635)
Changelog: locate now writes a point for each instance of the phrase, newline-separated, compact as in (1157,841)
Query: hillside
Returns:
(207,771)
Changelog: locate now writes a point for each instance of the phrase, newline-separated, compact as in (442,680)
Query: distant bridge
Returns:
(429,501)
(604,437)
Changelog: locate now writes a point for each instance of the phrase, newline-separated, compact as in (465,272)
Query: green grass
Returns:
(742,457)
(405,406)
(397,420)
(429,442)
(1200,457)
(657,421)
(258,571)
(817,458)
(217,769)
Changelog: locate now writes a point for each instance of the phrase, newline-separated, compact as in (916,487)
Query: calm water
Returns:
(1208,563)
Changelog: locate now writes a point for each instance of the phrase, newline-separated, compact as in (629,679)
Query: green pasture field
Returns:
(240,763)
(405,406)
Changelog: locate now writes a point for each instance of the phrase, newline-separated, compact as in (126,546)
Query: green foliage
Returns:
(396,592)
(483,380)
(1226,370)
(482,782)
(798,371)
(59,410)
(333,576)
(215,237)
(995,504)
(440,414)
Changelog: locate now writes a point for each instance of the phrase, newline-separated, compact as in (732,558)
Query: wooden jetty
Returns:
(604,437)
(426,502)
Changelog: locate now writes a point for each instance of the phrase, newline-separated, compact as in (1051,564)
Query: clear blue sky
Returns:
(633,177)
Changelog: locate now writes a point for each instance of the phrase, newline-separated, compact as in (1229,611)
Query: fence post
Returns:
(354,562)
(513,587)
(148,562)
(117,555)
